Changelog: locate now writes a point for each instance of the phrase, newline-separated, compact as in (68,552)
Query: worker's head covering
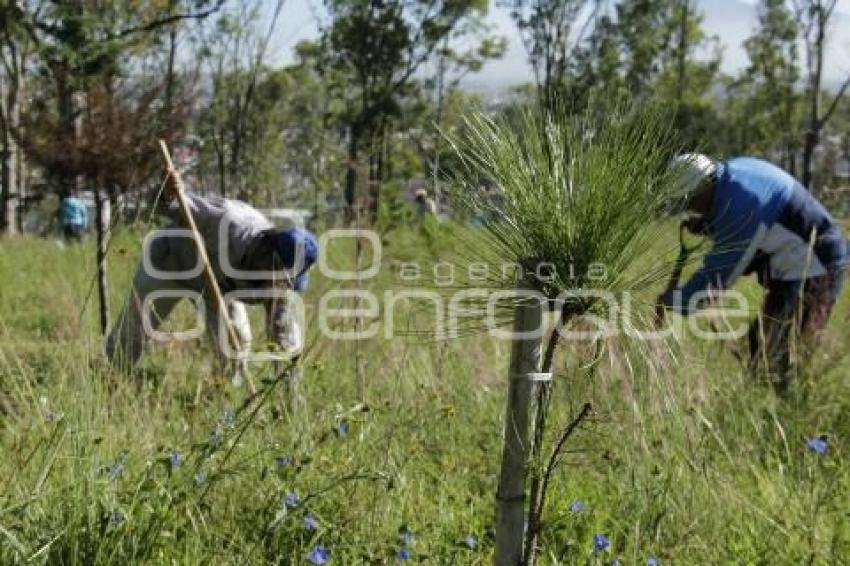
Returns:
(689,172)
(297,246)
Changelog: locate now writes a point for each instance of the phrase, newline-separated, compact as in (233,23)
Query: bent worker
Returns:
(74,218)
(425,205)
(247,255)
(762,221)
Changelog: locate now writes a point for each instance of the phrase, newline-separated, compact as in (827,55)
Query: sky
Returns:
(732,20)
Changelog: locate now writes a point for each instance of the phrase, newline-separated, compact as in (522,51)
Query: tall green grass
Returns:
(694,465)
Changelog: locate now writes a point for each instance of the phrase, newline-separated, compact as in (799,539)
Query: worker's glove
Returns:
(287,334)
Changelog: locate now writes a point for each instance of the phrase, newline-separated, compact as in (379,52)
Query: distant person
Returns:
(425,205)
(762,221)
(252,245)
(73,217)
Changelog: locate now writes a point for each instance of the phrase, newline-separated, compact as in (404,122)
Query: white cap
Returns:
(691,169)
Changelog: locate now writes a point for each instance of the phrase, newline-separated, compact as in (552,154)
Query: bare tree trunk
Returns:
(9,166)
(812,135)
(102,230)
(440,88)
(20,164)
(682,61)
(170,76)
(351,204)
(815,53)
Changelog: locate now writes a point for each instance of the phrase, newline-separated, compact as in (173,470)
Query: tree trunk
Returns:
(9,166)
(809,146)
(20,164)
(170,76)
(351,176)
(525,363)
(378,175)
(438,119)
(812,135)
(101,228)
(682,82)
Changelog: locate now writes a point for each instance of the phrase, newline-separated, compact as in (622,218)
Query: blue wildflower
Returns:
(319,555)
(200,479)
(471,542)
(116,470)
(404,555)
(174,458)
(652,561)
(311,523)
(292,500)
(227,418)
(818,445)
(601,543)
(341,429)
(51,416)
(116,519)
(406,537)
(578,506)
(615,562)
(216,437)
(283,461)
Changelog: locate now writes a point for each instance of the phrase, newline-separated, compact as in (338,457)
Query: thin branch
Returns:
(152,25)
(834,105)
(536,511)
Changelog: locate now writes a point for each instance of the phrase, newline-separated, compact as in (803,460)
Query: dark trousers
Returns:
(793,318)
(73,232)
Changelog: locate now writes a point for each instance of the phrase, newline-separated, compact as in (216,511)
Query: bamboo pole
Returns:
(523,378)
(209,276)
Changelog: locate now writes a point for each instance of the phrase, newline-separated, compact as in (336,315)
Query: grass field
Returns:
(690,464)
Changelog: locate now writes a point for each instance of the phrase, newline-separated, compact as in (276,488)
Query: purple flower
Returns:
(116,470)
(615,562)
(200,479)
(311,523)
(292,500)
(216,437)
(283,461)
(227,418)
(116,519)
(341,429)
(319,555)
(578,506)
(601,543)
(470,542)
(818,445)
(51,416)
(652,561)
(174,459)
(403,555)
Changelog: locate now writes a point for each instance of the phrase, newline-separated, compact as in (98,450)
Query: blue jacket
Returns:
(73,212)
(762,218)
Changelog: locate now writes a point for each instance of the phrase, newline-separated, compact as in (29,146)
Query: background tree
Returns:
(242,127)
(379,46)
(452,65)
(769,100)
(813,19)
(16,45)
(550,30)
(83,128)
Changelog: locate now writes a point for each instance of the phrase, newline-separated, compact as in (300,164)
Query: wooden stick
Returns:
(525,365)
(209,276)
